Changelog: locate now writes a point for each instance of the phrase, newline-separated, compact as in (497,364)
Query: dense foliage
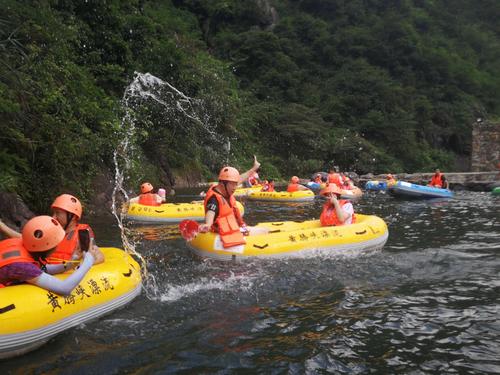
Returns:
(368,85)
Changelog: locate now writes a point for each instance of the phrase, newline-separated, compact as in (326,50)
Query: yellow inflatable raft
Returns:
(243,192)
(282,196)
(29,315)
(354,193)
(169,212)
(287,239)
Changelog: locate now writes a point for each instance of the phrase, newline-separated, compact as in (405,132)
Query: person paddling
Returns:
(221,213)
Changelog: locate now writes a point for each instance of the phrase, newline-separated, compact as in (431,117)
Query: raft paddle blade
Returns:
(188,229)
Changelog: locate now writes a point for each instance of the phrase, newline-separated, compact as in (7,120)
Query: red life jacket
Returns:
(436,180)
(292,187)
(335,178)
(329,216)
(13,251)
(148,199)
(67,246)
(228,221)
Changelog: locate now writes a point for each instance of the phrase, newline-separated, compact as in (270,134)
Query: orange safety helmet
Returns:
(229,174)
(294,180)
(146,188)
(389,176)
(68,203)
(42,233)
(331,188)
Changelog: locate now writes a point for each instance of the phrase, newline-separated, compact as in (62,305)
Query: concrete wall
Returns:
(485,146)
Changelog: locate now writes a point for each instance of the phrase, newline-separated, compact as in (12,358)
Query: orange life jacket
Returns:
(13,251)
(436,180)
(292,187)
(329,216)
(335,178)
(67,246)
(148,199)
(228,221)
(268,187)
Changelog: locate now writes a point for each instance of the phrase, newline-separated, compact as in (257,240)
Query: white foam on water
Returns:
(176,292)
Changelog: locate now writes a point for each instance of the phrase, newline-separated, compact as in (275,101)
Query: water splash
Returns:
(152,102)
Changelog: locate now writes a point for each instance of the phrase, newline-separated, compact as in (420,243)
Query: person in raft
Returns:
(148,198)
(390,180)
(444,182)
(253,179)
(294,185)
(221,213)
(268,186)
(22,259)
(67,210)
(436,179)
(336,211)
(334,177)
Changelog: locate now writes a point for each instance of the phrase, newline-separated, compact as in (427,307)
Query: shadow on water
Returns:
(427,303)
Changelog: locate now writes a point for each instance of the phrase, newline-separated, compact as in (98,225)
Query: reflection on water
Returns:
(428,303)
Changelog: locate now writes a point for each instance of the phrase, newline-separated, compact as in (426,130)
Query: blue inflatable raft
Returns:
(375,185)
(407,189)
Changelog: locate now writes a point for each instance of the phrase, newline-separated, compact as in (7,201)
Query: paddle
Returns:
(188,229)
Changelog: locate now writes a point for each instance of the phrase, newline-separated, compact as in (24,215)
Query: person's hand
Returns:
(244,230)
(96,254)
(256,164)
(203,228)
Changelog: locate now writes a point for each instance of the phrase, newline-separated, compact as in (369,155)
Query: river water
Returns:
(428,303)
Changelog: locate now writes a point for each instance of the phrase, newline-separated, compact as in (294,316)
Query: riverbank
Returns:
(474,181)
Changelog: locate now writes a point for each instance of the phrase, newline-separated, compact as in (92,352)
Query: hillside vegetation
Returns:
(364,84)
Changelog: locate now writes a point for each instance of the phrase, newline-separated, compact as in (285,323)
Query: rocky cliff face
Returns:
(485,146)
(13,211)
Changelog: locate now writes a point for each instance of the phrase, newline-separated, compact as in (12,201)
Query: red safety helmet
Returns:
(229,174)
(294,180)
(42,233)
(68,203)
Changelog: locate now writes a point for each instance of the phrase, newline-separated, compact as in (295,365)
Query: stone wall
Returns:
(485,146)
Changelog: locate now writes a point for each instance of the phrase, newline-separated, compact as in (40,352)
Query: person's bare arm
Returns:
(9,232)
(209,220)
(246,175)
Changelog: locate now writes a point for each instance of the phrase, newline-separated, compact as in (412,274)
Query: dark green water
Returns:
(428,303)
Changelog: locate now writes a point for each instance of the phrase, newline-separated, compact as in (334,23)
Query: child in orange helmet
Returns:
(67,210)
(22,258)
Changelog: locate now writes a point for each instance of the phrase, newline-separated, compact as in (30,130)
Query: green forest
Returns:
(371,86)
